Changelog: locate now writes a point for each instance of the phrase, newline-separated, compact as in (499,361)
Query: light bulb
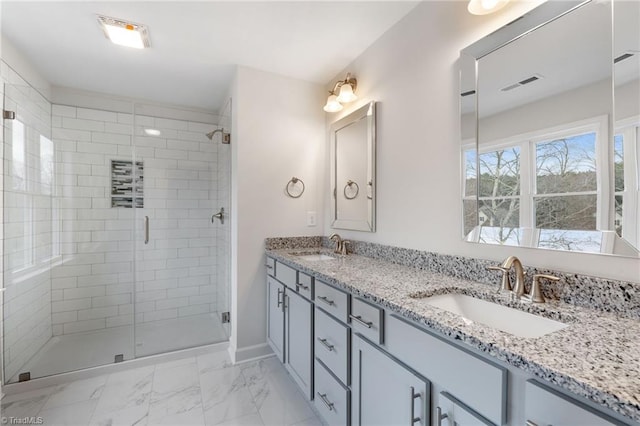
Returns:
(346,94)
(484,7)
(332,104)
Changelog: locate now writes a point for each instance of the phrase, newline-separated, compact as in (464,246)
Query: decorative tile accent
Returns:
(122,175)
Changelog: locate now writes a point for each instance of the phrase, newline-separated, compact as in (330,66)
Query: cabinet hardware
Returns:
(146,229)
(530,423)
(268,266)
(327,301)
(304,287)
(323,397)
(440,416)
(359,319)
(326,345)
(280,292)
(413,417)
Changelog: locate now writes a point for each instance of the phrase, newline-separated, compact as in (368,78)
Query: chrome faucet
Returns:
(341,245)
(505,267)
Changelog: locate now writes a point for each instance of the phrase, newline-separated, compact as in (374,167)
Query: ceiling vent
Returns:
(624,56)
(522,82)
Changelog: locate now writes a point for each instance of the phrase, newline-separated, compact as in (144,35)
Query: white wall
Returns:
(412,71)
(278,132)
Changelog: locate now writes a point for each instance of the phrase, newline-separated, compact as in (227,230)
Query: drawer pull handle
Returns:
(280,292)
(323,397)
(327,301)
(304,287)
(359,319)
(268,266)
(440,416)
(413,417)
(326,345)
(530,423)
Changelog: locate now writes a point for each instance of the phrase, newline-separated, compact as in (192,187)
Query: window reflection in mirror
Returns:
(555,168)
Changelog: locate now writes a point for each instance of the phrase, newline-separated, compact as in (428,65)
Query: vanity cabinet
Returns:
(364,365)
(290,324)
(275,317)
(384,391)
(545,406)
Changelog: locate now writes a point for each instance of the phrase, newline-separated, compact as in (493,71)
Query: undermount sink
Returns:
(503,318)
(314,257)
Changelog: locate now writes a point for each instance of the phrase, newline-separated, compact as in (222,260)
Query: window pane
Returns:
(500,235)
(500,212)
(618,162)
(576,212)
(566,165)
(500,173)
(618,218)
(470,209)
(558,239)
(470,184)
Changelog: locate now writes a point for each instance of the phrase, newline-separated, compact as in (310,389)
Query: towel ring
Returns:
(349,184)
(293,181)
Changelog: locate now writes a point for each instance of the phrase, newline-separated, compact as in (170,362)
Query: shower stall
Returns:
(112,249)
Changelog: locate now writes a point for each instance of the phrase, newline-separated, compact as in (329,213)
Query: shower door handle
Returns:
(219,215)
(146,229)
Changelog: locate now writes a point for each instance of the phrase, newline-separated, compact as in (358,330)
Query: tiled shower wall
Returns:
(28,234)
(93,288)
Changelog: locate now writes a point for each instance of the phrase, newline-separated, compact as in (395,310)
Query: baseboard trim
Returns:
(249,353)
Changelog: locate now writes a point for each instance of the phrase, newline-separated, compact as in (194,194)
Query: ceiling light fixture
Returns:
(152,132)
(485,7)
(124,33)
(345,93)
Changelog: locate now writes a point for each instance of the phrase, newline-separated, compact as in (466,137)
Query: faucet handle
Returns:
(506,282)
(535,295)
(343,249)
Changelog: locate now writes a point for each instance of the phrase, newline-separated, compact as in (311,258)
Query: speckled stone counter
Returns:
(597,356)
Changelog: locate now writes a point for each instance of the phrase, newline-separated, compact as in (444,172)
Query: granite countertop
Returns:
(597,356)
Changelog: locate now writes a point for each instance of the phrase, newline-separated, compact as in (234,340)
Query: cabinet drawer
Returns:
(286,275)
(331,398)
(305,285)
(451,367)
(545,405)
(332,344)
(332,300)
(271,266)
(367,320)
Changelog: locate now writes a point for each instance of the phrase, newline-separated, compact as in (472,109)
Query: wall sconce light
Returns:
(345,93)
(485,7)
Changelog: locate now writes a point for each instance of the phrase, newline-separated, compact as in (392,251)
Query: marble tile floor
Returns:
(202,390)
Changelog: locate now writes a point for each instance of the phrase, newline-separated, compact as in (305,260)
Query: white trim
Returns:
(248,353)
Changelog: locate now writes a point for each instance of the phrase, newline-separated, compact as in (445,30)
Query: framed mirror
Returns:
(549,161)
(353,166)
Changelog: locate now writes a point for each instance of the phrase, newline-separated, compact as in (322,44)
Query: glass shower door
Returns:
(176,304)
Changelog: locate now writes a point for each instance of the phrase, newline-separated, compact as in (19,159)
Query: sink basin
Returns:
(315,257)
(509,320)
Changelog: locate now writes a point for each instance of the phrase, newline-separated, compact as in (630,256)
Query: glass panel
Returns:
(500,173)
(566,165)
(499,212)
(470,208)
(618,162)
(559,239)
(223,231)
(176,260)
(470,178)
(618,219)
(500,235)
(572,212)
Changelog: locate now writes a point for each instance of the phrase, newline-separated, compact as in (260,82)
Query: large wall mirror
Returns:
(550,113)
(353,147)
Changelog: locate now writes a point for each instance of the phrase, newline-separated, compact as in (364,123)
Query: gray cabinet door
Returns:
(384,392)
(298,341)
(275,317)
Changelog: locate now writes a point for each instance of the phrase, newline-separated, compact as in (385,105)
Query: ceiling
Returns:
(194,45)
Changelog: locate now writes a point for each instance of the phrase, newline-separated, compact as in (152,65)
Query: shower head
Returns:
(226,137)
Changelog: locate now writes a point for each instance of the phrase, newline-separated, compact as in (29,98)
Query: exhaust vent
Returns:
(522,82)
(622,57)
